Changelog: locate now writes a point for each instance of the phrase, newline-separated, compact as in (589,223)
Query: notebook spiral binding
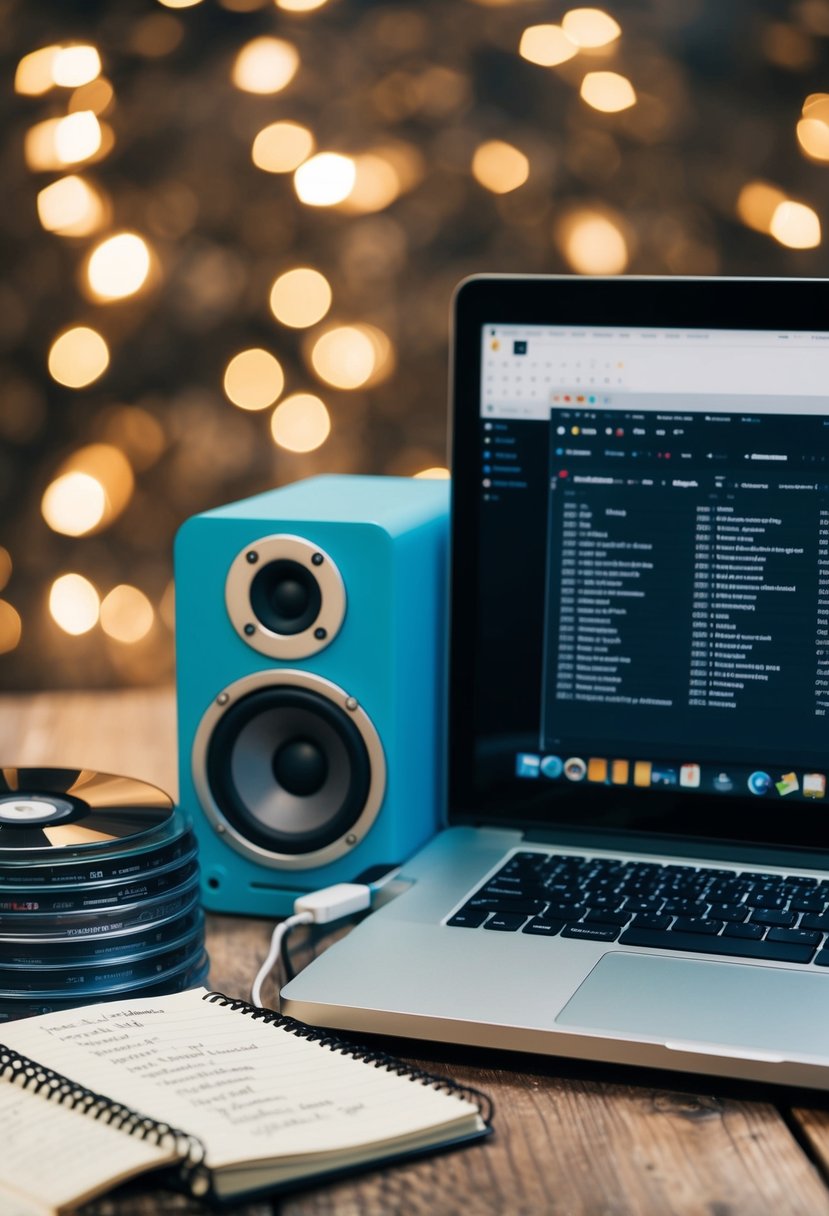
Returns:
(379,1059)
(20,1070)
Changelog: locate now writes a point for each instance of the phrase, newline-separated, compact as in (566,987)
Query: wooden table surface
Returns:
(569,1137)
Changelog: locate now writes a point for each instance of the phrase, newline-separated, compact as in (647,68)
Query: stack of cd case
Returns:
(99,892)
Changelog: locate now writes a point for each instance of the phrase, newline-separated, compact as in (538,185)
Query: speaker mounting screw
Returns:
(222,698)
(250,630)
(320,633)
(221,829)
(351,838)
(317,559)
(252,557)
(351,703)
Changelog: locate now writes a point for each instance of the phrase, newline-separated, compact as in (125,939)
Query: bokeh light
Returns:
(281,147)
(499,166)
(63,141)
(546,45)
(253,379)
(70,207)
(98,96)
(34,74)
(118,267)
(78,357)
(74,604)
(590,27)
(757,203)
(265,65)
(325,179)
(609,92)
(300,423)
(300,297)
(376,184)
(437,472)
(592,243)
(74,504)
(11,627)
(344,356)
(795,225)
(126,614)
(299,6)
(73,66)
(179,3)
(6,566)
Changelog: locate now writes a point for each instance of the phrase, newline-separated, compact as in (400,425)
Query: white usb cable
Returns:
(318,908)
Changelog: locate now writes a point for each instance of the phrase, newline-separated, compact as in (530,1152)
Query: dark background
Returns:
(720,88)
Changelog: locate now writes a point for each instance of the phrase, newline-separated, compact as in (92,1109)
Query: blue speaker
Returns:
(310,677)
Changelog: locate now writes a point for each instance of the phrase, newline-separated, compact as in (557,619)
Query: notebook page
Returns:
(248,1090)
(53,1155)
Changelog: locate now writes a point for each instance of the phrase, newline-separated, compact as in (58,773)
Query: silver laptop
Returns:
(635,863)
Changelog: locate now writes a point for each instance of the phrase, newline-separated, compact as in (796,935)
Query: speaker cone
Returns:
(285,597)
(289,769)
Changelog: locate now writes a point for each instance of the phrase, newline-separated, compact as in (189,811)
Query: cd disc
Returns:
(100,977)
(29,952)
(54,817)
(109,895)
(101,921)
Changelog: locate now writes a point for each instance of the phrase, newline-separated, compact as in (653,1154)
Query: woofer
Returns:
(289,767)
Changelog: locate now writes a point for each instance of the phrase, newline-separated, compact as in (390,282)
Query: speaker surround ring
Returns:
(285,597)
(241,828)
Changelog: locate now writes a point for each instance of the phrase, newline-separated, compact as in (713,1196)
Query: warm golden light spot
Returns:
(592,243)
(281,147)
(78,357)
(299,6)
(608,92)
(795,225)
(97,97)
(813,137)
(118,267)
(5,567)
(34,72)
(344,357)
(300,297)
(253,379)
(109,467)
(300,423)
(547,45)
(74,66)
(590,27)
(500,167)
(70,207)
(816,105)
(325,179)
(74,504)
(436,473)
(179,3)
(74,604)
(757,203)
(62,141)
(265,65)
(126,614)
(376,184)
(11,627)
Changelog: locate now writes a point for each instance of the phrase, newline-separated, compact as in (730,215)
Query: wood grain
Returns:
(568,1141)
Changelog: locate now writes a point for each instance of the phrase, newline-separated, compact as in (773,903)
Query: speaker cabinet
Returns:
(310,678)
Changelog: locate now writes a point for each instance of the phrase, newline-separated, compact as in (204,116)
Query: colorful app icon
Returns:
(527,765)
(788,784)
(814,785)
(552,767)
(759,783)
(689,776)
(620,772)
(597,769)
(723,783)
(575,769)
(642,772)
(663,775)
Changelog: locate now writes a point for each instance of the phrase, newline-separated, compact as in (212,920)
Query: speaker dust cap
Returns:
(285,597)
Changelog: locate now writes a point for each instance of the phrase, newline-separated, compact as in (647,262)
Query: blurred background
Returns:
(231,230)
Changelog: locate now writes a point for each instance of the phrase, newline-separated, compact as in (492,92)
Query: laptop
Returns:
(635,865)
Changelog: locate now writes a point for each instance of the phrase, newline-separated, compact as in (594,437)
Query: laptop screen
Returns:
(652,569)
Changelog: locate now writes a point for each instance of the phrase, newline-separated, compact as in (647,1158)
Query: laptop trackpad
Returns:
(781,1013)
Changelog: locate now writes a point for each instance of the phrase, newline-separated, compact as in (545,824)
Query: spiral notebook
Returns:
(101,1094)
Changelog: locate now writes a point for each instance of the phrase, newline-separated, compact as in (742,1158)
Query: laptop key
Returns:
(769,917)
(593,933)
(730,912)
(543,928)
(808,903)
(604,917)
(505,903)
(648,920)
(696,924)
(816,922)
(738,929)
(808,937)
(469,918)
(505,922)
(772,952)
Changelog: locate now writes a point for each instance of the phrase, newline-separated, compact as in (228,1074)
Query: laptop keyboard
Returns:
(741,913)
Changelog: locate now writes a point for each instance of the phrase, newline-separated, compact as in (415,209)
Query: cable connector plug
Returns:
(332,903)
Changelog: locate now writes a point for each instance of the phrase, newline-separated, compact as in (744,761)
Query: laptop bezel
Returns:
(749,303)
